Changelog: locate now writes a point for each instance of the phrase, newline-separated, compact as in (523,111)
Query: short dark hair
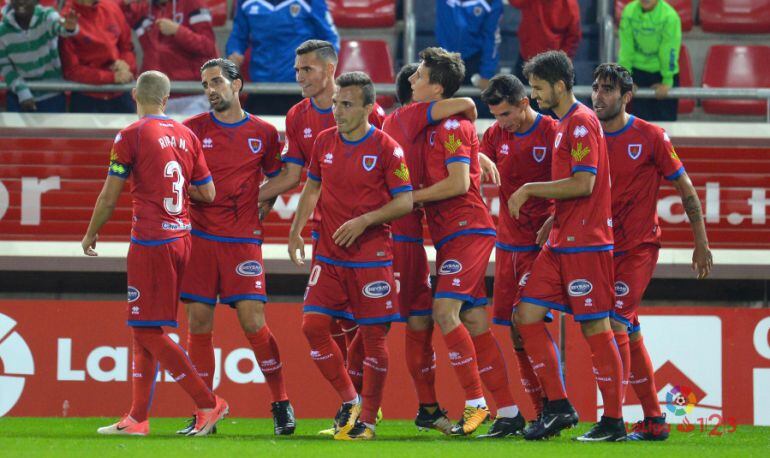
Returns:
(504,88)
(403,86)
(229,69)
(617,75)
(323,49)
(552,66)
(361,80)
(446,68)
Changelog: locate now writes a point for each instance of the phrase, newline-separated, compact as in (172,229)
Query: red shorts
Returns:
(412,275)
(362,294)
(233,271)
(576,283)
(154,281)
(512,268)
(461,265)
(633,271)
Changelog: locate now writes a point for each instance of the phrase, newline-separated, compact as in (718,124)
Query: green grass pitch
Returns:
(59,437)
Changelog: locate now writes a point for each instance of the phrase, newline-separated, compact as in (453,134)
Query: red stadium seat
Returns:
(735,16)
(218,10)
(685,80)
(683,7)
(363,13)
(736,67)
(370,56)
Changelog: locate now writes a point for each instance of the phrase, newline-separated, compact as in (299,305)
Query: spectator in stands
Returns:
(176,37)
(650,37)
(101,53)
(29,35)
(273,29)
(546,25)
(473,30)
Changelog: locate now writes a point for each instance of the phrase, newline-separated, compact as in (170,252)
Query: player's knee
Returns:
(618,326)
(475,320)
(315,326)
(419,323)
(200,324)
(445,318)
(252,324)
(527,313)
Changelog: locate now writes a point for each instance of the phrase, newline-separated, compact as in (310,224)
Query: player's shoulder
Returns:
(547,123)
(493,132)
(377,110)
(384,138)
(457,123)
(582,121)
(261,124)
(326,135)
(297,111)
(198,119)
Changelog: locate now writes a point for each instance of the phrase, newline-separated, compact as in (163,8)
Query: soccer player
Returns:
(573,273)
(353,263)
(167,167)
(463,234)
(640,155)
(226,261)
(520,143)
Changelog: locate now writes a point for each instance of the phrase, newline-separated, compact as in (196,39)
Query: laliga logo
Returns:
(17,362)
(680,400)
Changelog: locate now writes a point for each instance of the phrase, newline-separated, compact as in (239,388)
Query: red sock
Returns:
(530,381)
(266,350)
(643,378)
(609,372)
(339,338)
(356,361)
(462,357)
(200,348)
(621,339)
(375,370)
(421,361)
(144,369)
(326,354)
(544,357)
(175,360)
(492,369)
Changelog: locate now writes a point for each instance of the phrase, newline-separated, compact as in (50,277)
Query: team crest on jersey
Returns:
(538,153)
(558,140)
(294,10)
(369,162)
(634,150)
(255,144)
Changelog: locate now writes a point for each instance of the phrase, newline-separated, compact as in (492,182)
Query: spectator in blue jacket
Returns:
(273,29)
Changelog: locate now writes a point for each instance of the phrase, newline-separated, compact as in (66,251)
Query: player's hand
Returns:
(89,243)
(70,21)
(702,262)
(264,208)
(661,90)
(297,244)
(517,200)
(123,77)
(489,172)
(237,58)
(542,234)
(28,105)
(120,65)
(167,26)
(346,234)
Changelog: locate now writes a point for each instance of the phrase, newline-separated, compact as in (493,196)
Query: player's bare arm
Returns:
(463,106)
(702,261)
(105,205)
(455,184)
(204,193)
(542,233)
(580,184)
(489,172)
(399,206)
(286,180)
(307,202)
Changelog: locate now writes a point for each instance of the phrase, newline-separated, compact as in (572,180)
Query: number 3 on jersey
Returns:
(173,205)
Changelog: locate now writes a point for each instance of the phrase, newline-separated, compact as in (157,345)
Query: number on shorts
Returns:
(314,274)
(174,205)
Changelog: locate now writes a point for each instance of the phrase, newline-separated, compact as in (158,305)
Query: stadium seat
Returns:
(363,13)
(685,80)
(735,16)
(683,7)
(370,56)
(736,67)
(218,10)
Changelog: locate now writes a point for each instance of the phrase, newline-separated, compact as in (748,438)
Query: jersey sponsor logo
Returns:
(558,140)
(308,132)
(505,149)
(579,287)
(621,289)
(580,152)
(634,150)
(524,279)
(249,268)
(402,172)
(453,144)
(208,143)
(328,158)
(376,289)
(133,294)
(294,10)
(538,153)
(580,131)
(449,267)
(255,145)
(451,124)
(369,162)
(398,153)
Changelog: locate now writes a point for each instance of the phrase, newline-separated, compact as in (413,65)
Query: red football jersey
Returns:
(640,154)
(405,125)
(455,140)
(239,155)
(521,158)
(162,157)
(583,223)
(356,178)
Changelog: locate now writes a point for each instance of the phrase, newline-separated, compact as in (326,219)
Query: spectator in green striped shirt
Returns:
(29,50)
